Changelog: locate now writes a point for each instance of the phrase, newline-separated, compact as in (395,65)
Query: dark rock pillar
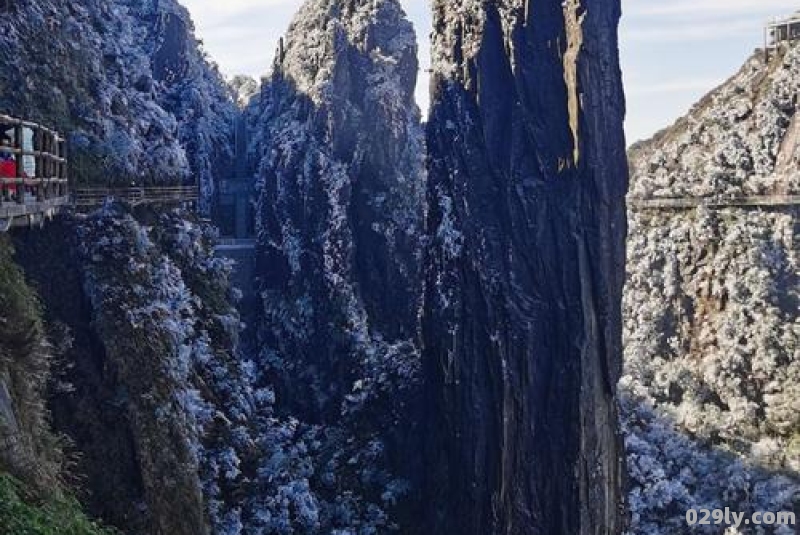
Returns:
(524,271)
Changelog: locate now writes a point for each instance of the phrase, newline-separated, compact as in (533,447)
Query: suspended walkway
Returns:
(690,203)
(34,184)
(234,244)
(33,173)
(136,196)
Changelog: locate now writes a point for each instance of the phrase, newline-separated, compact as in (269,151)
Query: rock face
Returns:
(129,84)
(339,150)
(521,320)
(153,398)
(127,80)
(189,88)
(28,450)
(340,207)
(712,364)
(342,185)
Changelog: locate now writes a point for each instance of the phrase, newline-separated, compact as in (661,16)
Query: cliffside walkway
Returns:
(690,203)
(34,185)
(233,244)
(33,173)
(93,197)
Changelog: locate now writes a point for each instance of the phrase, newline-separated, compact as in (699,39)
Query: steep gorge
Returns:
(437,346)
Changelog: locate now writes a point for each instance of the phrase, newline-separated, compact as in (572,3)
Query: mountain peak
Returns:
(324,30)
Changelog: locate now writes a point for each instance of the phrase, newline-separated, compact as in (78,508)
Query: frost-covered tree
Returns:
(127,81)
(338,147)
(712,333)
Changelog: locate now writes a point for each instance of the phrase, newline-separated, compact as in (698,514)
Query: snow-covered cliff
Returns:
(712,333)
(127,80)
(743,138)
(131,355)
(149,388)
(338,151)
(523,275)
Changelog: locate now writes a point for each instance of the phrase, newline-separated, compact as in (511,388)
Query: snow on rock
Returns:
(712,333)
(161,307)
(738,140)
(244,89)
(338,146)
(127,81)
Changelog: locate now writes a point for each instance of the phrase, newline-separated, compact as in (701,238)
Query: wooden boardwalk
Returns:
(33,173)
(691,203)
(32,210)
(34,183)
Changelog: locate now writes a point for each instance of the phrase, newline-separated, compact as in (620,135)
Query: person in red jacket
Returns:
(8,166)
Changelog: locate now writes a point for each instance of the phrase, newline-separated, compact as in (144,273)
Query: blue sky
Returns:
(673,51)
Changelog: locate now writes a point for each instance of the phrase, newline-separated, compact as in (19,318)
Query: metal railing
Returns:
(135,196)
(688,203)
(236,244)
(780,31)
(34,184)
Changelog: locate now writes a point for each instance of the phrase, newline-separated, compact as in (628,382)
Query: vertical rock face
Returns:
(521,321)
(129,83)
(28,450)
(151,395)
(341,192)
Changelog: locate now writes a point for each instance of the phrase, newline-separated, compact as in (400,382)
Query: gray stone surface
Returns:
(521,320)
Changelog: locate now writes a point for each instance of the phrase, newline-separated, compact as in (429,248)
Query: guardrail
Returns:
(92,197)
(33,163)
(33,173)
(689,203)
(30,214)
(235,244)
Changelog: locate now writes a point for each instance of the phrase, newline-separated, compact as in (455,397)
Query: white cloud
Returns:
(688,85)
(695,32)
(241,35)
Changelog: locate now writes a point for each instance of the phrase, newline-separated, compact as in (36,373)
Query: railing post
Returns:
(48,166)
(62,174)
(37,147)
(20,184)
